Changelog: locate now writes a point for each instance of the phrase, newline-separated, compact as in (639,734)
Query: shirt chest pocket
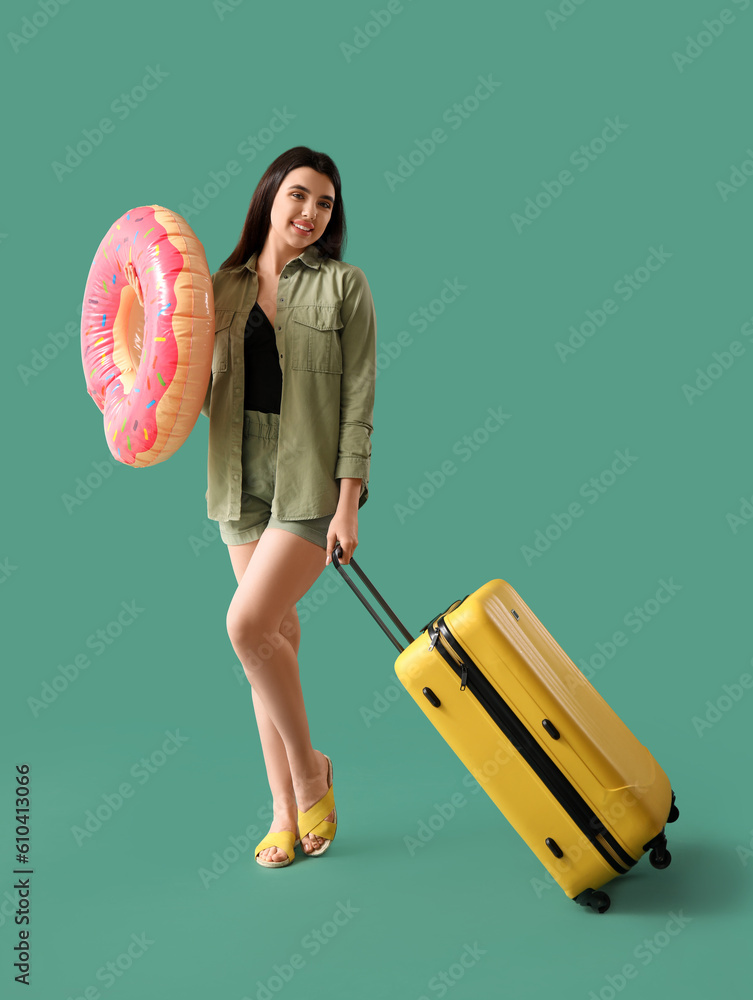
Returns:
(222,320)
(315,339)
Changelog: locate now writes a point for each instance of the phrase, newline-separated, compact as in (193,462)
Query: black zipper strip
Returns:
(537,759)
(558,779)
(593,819)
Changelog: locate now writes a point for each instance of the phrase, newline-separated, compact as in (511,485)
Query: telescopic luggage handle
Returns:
(337,551)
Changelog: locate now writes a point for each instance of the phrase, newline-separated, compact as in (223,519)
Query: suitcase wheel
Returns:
(659,856)
(662,860)
(597,900)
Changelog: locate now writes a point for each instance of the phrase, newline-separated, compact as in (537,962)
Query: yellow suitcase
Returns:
(586,796)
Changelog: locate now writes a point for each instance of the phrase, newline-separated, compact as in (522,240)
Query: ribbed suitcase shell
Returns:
(608,768)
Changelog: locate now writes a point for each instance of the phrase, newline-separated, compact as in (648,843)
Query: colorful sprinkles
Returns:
(159,253)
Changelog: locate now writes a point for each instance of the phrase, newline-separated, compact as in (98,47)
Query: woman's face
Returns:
(305,197)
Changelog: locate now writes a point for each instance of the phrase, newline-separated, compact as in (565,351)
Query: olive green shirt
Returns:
(325,328)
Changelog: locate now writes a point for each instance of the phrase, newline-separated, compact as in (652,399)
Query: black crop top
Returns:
(263,374)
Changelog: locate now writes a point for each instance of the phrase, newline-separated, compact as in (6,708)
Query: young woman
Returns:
(290,406)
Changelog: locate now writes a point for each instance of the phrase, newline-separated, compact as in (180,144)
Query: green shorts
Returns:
(260,432)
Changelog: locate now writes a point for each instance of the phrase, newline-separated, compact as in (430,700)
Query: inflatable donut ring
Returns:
(147,367)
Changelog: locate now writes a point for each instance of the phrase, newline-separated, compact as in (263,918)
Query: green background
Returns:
(473,882)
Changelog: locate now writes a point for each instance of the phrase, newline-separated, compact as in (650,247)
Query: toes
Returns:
(272,854)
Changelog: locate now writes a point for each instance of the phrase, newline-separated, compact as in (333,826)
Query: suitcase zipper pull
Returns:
(463,665)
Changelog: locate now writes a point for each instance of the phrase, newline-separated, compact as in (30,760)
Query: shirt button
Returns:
(236,475)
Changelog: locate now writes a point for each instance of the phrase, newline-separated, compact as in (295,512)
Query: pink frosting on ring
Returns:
(136,362)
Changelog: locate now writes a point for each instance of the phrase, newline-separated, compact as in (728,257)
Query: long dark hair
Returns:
(256,226)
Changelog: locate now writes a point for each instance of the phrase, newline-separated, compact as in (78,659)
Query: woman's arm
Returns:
(358,343)
(343,527)
(350,491)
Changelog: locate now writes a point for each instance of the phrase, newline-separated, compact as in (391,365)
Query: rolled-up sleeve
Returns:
(358,342)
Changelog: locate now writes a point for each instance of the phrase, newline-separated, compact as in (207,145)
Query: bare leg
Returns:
(275,758)
(273,574)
